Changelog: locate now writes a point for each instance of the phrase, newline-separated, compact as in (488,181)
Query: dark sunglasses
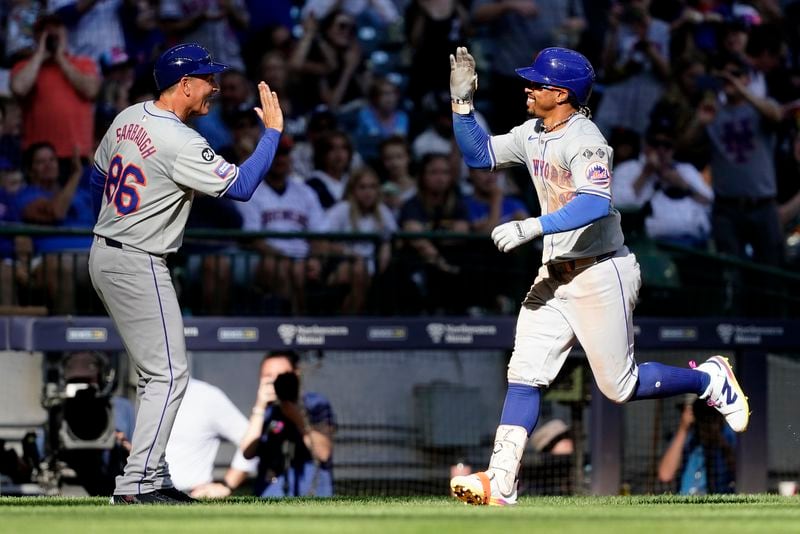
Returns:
(536,86)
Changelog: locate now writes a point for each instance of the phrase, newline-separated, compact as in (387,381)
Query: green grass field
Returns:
(557,515)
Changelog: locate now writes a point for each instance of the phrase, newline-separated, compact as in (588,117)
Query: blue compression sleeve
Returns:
(97,183)
(472,140)
(252,171)
(657,381)
(521,407)
(578,212)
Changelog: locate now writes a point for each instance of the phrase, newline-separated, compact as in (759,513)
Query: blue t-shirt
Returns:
(478,209)
(79,215)
(303,477)
(694,475)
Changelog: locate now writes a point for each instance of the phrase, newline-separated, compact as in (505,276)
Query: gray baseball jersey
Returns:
(574,159)
(153,163)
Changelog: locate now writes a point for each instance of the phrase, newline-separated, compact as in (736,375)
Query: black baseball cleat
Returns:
(176,495)
(153,497)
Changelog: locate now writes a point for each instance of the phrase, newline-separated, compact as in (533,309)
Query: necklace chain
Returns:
(556,125)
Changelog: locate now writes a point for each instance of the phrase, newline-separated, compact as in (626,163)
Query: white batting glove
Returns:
(463,78)
(510,235)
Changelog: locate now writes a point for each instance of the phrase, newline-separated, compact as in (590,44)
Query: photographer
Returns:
(291,434)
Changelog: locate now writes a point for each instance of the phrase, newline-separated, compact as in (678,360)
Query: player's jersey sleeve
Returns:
(509,149)
(102,158)
(198,167)
(589,159)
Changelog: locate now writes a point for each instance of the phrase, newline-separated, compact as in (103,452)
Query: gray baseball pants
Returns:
(136,290)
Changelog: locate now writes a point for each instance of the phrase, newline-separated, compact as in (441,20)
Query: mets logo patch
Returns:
(597,174)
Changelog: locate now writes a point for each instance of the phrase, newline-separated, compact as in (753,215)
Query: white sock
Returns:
(509,443)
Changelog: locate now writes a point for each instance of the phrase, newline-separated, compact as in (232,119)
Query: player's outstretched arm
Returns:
(472,140)
(270,111)
(252,171)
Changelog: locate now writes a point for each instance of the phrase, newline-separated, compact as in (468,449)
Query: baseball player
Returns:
(145,171)
(586,289)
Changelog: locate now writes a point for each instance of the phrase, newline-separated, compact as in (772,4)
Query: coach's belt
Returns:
(564,267)
(122,246)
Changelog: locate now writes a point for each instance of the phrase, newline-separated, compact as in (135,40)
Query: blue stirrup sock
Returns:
(521,407)
(657,381)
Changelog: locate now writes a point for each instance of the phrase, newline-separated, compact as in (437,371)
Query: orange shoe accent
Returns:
(487,486)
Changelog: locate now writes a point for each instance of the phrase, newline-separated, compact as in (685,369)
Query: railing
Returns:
(222,273)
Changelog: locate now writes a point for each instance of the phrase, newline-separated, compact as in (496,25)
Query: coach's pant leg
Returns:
(141,300)
(543,336)
(598,302)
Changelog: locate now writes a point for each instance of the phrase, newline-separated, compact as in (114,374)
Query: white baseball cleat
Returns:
(725,394)
(481,489)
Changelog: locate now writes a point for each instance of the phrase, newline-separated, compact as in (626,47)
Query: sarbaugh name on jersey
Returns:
(137,134)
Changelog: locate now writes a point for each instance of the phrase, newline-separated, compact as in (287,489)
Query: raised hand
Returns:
(270,111)
(463,78)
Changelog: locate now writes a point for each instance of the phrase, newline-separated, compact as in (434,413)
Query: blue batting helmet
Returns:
(188,59)
(562,67)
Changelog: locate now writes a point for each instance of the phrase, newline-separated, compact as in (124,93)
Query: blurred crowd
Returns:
(700,100)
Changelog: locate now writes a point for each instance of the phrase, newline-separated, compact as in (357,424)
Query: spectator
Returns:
(270,28)
(143,35)
(383,117)
(689,85)
(274,69)
(434,28)
(94,25)
(380,11)
(236,94)
(361,211)
(210,263)
(10,149)
(15,251)
(433,266)
(399,184)
(321,122)
(700,456)
(488,206)
(114,96)
(518,31)
(636,65)
(44,201)
(333,153)
(206,417)
(789,183)
(740,131)
(211,23)
(679,199)
(20,41)
(57,91)
(281,204)
(290,434)
(330,62)
(437,138)
(626,144)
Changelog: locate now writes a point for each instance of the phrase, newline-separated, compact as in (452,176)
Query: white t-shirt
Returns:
(338,220)
(297,209)
(206,417)
(671,217)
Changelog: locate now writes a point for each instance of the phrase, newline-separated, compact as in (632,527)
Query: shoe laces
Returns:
(709,402)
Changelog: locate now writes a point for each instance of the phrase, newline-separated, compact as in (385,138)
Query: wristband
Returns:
(462,107)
